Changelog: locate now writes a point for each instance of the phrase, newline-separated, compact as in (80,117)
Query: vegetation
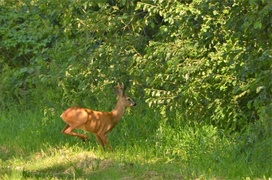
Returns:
(200,72)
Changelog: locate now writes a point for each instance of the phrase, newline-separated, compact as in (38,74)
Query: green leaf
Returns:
(259,89)
(257,25)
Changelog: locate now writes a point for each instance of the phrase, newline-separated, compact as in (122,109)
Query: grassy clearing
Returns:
(32,147)
(75,163)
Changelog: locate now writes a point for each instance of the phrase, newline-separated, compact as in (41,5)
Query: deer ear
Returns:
(116,89)
(122,88)
(119,89)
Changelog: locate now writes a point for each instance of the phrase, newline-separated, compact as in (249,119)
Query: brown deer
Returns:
(96,122)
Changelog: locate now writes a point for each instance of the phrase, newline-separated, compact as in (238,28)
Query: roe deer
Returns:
(96,122)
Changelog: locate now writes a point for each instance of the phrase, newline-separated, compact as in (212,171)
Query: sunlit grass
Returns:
(32,147)
(74,162)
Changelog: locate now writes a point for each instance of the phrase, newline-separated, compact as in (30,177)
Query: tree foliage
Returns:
(196,61)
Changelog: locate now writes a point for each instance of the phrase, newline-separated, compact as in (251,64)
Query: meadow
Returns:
(33,147)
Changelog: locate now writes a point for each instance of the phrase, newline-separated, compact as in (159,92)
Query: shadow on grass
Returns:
(66,164)
(81,168)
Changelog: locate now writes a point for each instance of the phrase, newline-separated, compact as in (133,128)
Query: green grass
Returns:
(146,147)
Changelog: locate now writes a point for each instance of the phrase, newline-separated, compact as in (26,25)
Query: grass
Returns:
(76,163)
(32,147)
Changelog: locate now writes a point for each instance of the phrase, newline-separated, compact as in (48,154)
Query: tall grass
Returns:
(145,146)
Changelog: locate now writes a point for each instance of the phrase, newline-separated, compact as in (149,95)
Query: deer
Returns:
(96,122)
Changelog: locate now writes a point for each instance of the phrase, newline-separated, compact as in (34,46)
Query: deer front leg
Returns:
(105,141)
(100,141)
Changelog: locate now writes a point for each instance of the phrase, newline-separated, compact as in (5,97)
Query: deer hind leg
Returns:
(69,131)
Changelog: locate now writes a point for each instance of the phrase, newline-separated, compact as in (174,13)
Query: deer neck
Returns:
(118,111)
